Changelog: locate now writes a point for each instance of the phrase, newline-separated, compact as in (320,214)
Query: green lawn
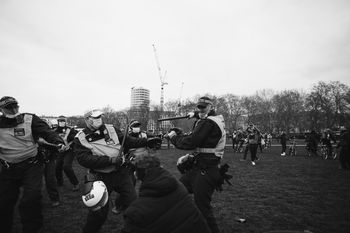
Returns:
(279,194)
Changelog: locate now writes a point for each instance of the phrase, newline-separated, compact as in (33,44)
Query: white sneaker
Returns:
(283,154)
(253,163)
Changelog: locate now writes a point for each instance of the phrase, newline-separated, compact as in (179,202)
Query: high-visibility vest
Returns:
(220,147)
(101,147)
(17,143)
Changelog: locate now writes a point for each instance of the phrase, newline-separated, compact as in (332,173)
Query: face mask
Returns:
(12,115)
(136,130)
(203,112)
(61,124)
(11,112)
(96,123)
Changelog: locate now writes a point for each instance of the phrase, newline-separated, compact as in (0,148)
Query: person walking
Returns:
(344,148)
(283,141)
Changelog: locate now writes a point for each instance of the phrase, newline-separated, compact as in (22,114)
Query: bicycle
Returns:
(325,153)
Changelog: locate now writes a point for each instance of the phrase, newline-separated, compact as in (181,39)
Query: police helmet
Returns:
(134,123)
(8,101)
(95,196)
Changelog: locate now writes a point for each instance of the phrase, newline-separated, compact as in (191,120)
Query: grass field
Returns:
(279,194)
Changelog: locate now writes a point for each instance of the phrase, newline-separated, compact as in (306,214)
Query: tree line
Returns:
(326,105)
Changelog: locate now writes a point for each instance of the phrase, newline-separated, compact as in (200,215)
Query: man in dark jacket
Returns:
(312,143)
(19,166)
(207,140)
(344,148)
(97,148)
(163,204)
(283,141)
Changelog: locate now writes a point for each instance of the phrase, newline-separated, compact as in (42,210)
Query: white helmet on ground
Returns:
(96,195)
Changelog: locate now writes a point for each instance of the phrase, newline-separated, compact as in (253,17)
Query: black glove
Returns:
(154,143)
(178,131)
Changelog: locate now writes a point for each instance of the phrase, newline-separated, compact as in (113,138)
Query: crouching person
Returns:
(163,205)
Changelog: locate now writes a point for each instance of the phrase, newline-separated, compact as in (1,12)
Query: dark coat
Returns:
(163,206)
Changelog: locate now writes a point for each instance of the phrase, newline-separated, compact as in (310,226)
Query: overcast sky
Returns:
(68,56)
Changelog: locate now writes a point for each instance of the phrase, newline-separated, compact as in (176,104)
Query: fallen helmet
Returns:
(95,196)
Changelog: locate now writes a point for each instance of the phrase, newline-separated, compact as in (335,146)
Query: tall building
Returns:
(139,98)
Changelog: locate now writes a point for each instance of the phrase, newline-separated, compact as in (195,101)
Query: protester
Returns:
(283,141)
(163,204)
(344,148)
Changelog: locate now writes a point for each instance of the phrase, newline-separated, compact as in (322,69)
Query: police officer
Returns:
(136,132)
(97,148)
(65,159)
(208,140)
(19,133)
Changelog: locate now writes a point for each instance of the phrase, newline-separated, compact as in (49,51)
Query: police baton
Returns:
(173,118)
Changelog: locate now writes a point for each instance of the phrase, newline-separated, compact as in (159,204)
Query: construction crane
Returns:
(179,105)
(180,98)
(162,78)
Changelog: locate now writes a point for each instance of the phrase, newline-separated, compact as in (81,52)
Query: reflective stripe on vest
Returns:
(220,147)
(103,148)
(17,143)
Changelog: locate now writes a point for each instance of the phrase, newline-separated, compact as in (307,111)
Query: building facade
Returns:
(140,98)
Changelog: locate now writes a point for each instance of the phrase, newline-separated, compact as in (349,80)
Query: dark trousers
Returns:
(119,200)
(50,180)
(120,182)
(246,149)
(202,183)
(284,147)
(64,163)
(253,150)
(344,158)
(29,177)
(330,150)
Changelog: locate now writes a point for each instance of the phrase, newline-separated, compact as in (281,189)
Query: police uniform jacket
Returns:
(88,159)
(163,205)
(66,133)
(205,134)
(18,137)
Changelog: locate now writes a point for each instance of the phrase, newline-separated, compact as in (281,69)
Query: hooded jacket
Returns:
(163,206)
